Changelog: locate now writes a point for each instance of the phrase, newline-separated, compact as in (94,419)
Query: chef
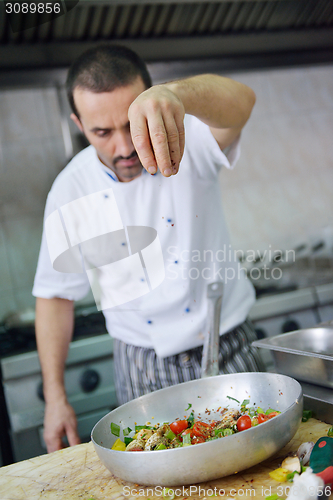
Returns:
(137,217)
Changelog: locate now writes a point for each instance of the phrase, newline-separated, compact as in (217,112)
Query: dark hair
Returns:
(103,69)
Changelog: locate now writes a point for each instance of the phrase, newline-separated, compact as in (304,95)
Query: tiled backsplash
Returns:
(279,194)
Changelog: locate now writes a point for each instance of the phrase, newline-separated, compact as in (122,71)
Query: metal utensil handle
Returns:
(210,354)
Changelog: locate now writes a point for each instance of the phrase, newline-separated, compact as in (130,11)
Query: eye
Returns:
(103,133)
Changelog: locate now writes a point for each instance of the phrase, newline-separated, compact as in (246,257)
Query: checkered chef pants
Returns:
(139,370)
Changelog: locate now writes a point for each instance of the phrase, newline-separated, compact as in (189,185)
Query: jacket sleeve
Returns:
(204,152)
(50,283)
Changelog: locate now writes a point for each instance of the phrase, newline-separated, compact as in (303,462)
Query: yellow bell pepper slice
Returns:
(118,445)
(279,474)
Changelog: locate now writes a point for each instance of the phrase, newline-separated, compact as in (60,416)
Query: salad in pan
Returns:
(191,430)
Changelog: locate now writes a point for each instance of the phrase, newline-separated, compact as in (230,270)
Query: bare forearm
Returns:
(54,327)
(217,101)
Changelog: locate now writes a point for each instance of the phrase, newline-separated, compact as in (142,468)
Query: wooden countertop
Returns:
(77,473)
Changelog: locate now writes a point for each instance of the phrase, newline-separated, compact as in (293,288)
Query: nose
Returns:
(124,144)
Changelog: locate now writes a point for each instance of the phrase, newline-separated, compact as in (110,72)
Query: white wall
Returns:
(31,155)
(280,192)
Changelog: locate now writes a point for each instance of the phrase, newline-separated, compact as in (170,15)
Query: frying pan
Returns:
(213,459)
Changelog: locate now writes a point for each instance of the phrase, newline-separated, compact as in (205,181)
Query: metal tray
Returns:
(306,355)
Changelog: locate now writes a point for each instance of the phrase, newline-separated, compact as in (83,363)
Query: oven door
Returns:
(89,386)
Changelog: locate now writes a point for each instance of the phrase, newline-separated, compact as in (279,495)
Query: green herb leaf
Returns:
(330,432)
(115,429)
(187,440)
(290,477)
(168,494)
(229,397)
(190,419)
(170,435)
(260,410)
(306,415)
(269,411)
(252,412)
(223,432)
(245,402)
(140,427)
(161,446)
(273,497)
(189,406)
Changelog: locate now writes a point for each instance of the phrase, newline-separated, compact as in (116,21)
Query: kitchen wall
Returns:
(279,194)
(32,153)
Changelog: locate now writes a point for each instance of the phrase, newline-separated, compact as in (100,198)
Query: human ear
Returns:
(77,121)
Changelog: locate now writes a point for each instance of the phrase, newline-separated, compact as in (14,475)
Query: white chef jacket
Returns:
(186,212)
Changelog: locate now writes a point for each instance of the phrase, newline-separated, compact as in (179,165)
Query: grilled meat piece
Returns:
(136,443)
(154,441)
(145,434)
(229,418)
(163,429)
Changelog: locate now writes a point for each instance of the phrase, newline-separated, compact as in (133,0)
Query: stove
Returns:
(17,339)
(88,380)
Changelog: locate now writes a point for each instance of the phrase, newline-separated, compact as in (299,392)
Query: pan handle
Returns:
(210,354)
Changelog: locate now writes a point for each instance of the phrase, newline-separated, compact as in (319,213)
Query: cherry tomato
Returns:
(262,418)
(201,429)
(273,414)
(197,440)
(179,426)
(188,431)
(244,422)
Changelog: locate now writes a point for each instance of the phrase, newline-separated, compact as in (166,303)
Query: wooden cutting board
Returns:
(77,473)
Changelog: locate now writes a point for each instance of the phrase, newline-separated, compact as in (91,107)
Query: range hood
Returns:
(161,30)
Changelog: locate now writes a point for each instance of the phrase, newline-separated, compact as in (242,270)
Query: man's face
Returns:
(104,122)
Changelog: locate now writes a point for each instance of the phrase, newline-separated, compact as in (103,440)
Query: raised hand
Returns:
(156,122)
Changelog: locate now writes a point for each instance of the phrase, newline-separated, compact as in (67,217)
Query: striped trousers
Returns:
(139,370)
